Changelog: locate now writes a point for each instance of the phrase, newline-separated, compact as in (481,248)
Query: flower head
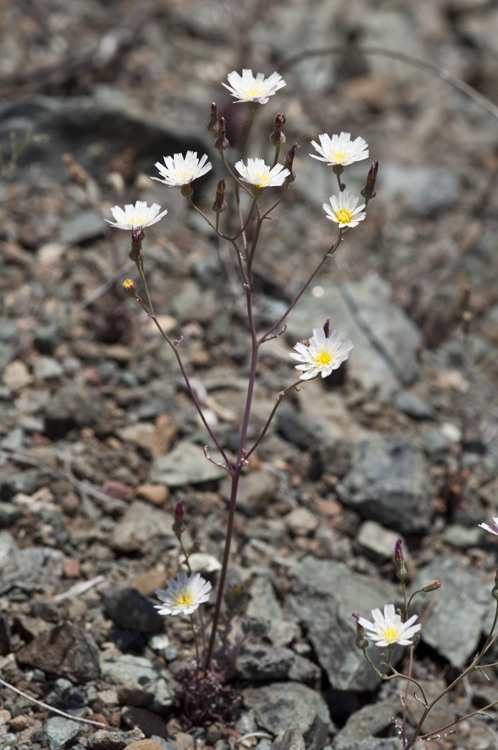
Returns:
(138,216)
(343,210)
(322,355)
(181,170)
(388,629)
(259,174)
(247,88)
(340,149)
(493,529)
(184,595)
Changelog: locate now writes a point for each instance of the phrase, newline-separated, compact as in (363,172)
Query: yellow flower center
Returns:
(339,156)
(138,221)
(344,215)
(254,93)
(324,358)
(184,599)
(390,635)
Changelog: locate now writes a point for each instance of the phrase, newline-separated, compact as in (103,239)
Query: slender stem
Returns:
(280,397)
(410,668)
(197,660)
(277,153)
(478,712)
(286,188)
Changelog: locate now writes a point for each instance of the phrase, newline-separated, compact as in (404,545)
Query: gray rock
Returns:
(291,706)
(435,444)
(368,743)
(424,189)
(256,490)
(167,745)
(46,368)
(283,632)
(389,483)
(369,720)
(184,464)
(264,604)
(84,226)
(141,524)
(462,537)
(74,406)
(289,739)
(130,610)
(105,740)
(59,732)
(27,482)
(9,514)
(376,542)
(259,661)
(140,673)
(324,596)
(194,303)
(411,404)
(305,670)
(30,569)
(456,622)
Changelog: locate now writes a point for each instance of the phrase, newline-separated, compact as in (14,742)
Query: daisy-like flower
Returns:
(247,88)
(184,595)
(387,629)
(259,174)
(340,149)
(493,529)
(322,355)
(138,216)
(181,170)
(344,211)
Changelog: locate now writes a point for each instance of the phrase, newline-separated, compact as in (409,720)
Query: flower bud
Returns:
(361,641)
(220,142)
(399,561)
(326,328)
(219,203)
(368,191)
(130,288)
(136,253)
(212,125)
(494,591)
(431,586)
(186,190)
(289,161)
(277,138)
(178,522)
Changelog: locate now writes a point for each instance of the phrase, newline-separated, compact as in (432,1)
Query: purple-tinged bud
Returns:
(361,641)
(399,560)
(212,125)
(289,161)
(494,591)
(277,138)
(221,142)
(130,288)
(368,191)
(178,522)
(431,586)
(136,253)
(219,203)
(326,328)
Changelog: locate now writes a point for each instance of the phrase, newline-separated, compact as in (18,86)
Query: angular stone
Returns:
(29,569)
(376,542)
(131,611)
(140,673)
(59,732)
(389,483)
(289,739)
(370,720)
(259,661)
(64,651)
(285,706)
(106,740)
(149,722)
(256,490)
(141,524)
(324,596)
(184,464)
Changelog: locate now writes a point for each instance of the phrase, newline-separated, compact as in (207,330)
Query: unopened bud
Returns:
(399,560)
(494,591)
(326,328)
(306,342)
(136,253)
(368,191)
(277,138)
(130,288)
(361,641)
(220,142)
(431,586)
(289,161)
(186,190)
(178,522)
(219,203)
(212,125)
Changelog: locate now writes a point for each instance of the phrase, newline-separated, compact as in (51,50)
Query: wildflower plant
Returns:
(253,182)
(395,627)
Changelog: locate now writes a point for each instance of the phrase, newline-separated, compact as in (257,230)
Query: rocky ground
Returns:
(99,440)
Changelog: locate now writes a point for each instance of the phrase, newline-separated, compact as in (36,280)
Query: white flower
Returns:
(322,355)
(136,217)
(388,629)
(340,149)
(344,211)
(180,170)
(247,88)
(183,595)
(493,529)
(258,173)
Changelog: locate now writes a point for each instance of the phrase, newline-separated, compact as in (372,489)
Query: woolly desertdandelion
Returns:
(179,170)
(250,88)
(345,210)
(136,216)
(183,595)
(388,629)
(493,529)
(322,354)
(259,174)
(340,149)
